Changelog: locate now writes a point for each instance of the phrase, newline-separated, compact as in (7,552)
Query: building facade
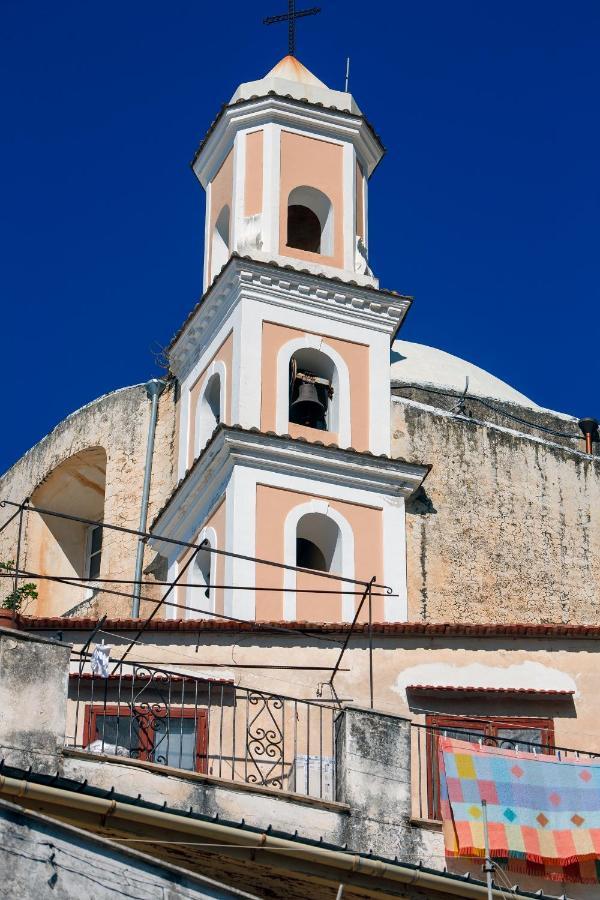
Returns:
(314,485)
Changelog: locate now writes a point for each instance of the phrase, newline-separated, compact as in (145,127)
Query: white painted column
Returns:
(349,193)
(238,189)
(247,377)
(207,236)
(241,538)
(394,558)
(379,395)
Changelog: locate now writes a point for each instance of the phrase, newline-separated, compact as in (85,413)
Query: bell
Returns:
(307,409)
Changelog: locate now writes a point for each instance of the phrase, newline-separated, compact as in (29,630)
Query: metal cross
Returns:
(290,17)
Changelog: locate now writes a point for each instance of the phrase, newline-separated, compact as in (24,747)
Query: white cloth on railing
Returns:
(103,747)
(101,660)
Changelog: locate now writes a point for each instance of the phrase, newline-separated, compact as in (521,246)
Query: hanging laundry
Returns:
(543,812)
(100,660)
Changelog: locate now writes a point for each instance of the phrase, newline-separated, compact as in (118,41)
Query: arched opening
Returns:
(318,543)
(64,547)
(313,385)
(209,411)
(220,242)
(310,221)
(201,595)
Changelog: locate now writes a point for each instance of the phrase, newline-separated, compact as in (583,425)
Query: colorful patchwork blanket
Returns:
(543,812)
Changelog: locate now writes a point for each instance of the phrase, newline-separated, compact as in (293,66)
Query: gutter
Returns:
(329,864)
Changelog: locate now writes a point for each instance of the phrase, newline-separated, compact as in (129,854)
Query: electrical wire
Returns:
(498,410)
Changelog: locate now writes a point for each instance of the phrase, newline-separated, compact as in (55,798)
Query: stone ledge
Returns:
(212,780)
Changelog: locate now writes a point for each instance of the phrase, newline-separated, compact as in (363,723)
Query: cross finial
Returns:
(290,17)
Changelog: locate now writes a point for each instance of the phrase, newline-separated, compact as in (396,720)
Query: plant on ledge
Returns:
(24,592)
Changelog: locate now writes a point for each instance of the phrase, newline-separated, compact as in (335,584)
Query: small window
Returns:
(209,411)
(496,732)
(310,221)
(304,229)
(94,551)
(318,543)
(177,739)
(308,555)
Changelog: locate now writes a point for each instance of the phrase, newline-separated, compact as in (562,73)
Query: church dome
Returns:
(417,364)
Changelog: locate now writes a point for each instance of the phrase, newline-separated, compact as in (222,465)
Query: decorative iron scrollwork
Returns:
(264,739)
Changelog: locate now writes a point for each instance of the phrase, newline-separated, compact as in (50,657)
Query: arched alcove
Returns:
(318,543)
(310,221)
(200,594)
(209,409)
(64,547)
(312,351)
(220,242)
(314,390)
(316,536)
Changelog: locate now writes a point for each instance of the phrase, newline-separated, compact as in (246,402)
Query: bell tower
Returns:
(285,170)
(284,367)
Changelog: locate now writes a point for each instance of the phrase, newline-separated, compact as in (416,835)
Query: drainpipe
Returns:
(154,389)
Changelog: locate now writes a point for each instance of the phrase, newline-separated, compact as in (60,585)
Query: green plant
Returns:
(19,595)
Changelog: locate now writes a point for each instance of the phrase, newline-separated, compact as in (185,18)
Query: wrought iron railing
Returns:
(424,757)
(205,725)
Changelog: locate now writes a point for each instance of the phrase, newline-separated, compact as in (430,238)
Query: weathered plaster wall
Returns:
(33,700)
(117,423)
(507,527)
(43,859)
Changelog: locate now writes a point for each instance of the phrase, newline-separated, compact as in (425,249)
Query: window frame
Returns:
(94,711)
(488,728)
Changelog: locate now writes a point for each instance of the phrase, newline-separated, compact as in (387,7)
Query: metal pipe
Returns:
(154,389)
(371,873)
(488,867)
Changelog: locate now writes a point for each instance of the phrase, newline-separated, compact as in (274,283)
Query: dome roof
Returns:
(421,365)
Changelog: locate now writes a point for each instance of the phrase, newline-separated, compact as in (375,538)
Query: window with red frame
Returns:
(179,739)
(499,732)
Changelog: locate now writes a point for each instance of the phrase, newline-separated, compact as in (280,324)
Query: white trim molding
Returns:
(346,567)
(236,461)
(341,424)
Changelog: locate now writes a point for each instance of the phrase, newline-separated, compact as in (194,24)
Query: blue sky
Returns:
(486,207)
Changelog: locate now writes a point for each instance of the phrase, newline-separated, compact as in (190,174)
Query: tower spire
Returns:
(290,17)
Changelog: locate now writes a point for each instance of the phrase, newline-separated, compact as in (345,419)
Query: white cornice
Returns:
(286,288)
(205,483)
(329,123)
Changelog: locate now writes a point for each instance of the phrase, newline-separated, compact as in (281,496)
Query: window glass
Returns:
(180,749)
(95,551)
(119,731)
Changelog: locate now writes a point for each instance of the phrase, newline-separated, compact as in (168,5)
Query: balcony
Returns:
(203,725)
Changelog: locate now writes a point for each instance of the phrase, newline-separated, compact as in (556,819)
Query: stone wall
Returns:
(33,700)
(506,527)
(117,423)
(43,859)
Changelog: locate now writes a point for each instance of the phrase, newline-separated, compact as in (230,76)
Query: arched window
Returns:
(63,546)
(220,242)
(209,411)
(316,536)
(318,543)
(313,390)
(200,593)
(310,221)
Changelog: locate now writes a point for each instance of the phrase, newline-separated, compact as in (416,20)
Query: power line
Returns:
(491,406)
